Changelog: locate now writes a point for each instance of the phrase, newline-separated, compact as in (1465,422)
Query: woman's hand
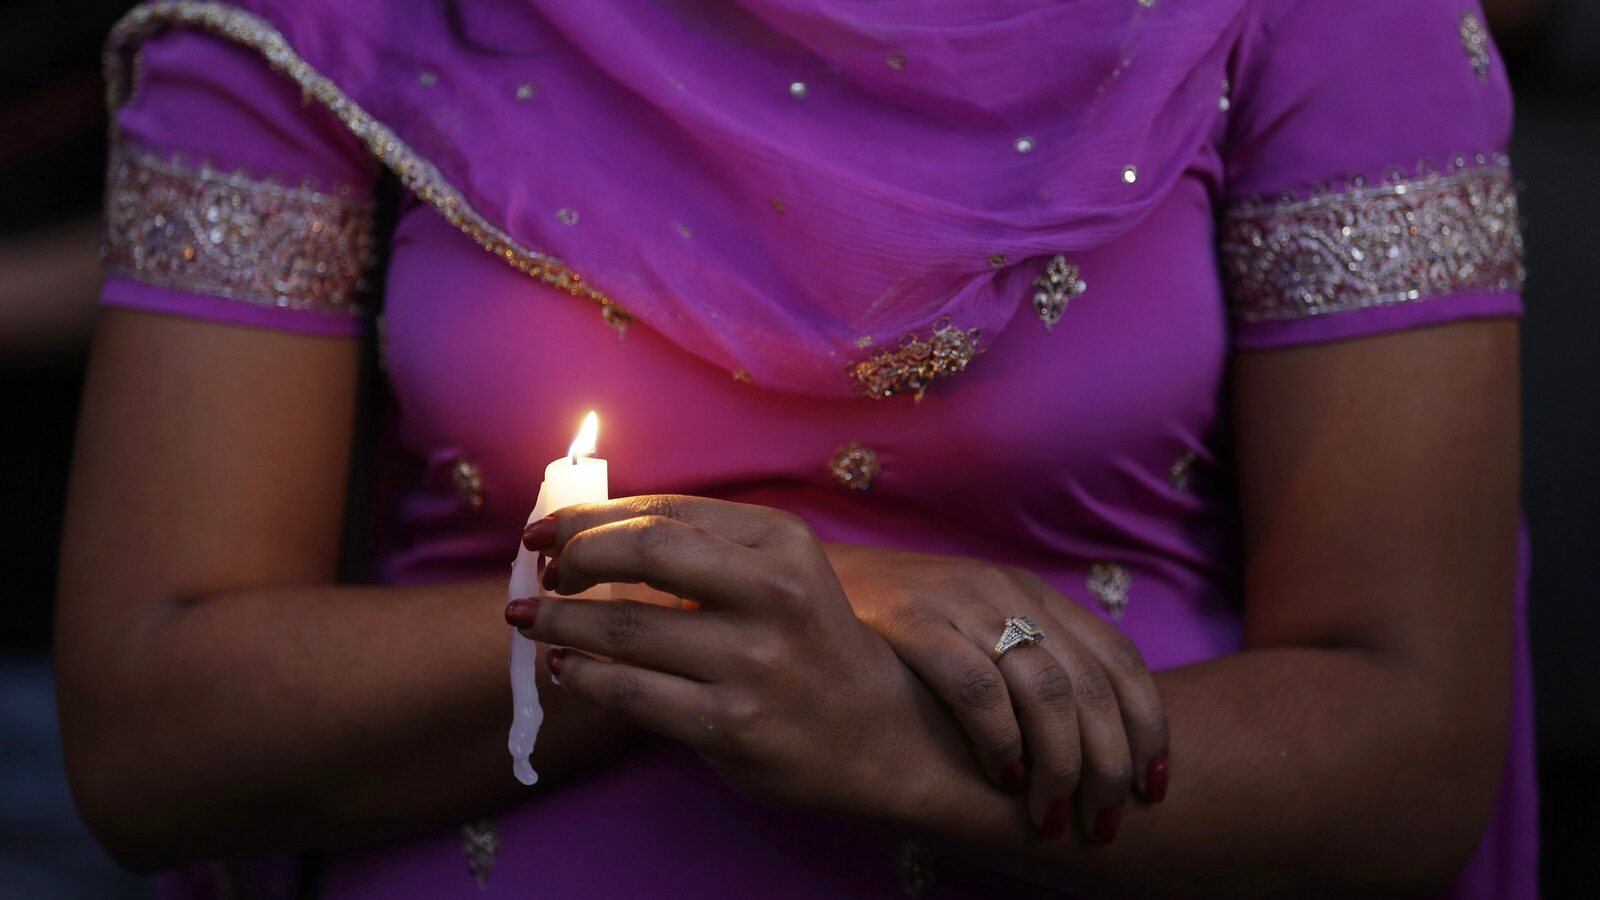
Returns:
(772,679)
(1080,704)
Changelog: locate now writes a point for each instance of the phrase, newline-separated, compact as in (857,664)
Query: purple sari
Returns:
(1050,223)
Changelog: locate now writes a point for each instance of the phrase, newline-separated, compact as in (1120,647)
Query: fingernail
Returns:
(1057,819)
(553,661)
(520,613)
(1014,778)
(1107,824)
(551,577)
(541,534)
(1155,780)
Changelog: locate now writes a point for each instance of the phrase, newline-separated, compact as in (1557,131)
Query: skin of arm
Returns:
(1353,747)
(217,692)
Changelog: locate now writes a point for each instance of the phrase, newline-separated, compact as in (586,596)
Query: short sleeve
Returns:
(230,199)
(1366,184)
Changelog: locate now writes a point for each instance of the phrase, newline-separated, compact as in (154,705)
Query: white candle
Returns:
(574,478)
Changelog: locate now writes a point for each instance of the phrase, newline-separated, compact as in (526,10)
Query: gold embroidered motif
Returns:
(480,843)
(415,172)
(230,235)
(916,868)
(1475,40)
(1403,241)
(1108,583)
(464,473)
(916,362)
(1055,286)
(855,466)
(1178,475)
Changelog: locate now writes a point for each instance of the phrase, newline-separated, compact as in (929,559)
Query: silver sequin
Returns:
(798,90)
(896,60)
(567,215)
(526,90)
(1475,41)
(1130,174)
(1025,145)
(428,79)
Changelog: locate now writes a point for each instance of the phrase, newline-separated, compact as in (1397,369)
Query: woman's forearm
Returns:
(304,717)
(1294,771)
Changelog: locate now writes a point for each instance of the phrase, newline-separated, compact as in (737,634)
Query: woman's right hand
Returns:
(1080,706)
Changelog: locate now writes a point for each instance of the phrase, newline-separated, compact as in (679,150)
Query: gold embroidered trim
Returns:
(916,362)
(1109,583)
(230,235)
(415,172)
(1402,241)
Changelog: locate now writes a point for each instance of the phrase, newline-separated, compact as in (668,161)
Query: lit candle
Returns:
(574,478)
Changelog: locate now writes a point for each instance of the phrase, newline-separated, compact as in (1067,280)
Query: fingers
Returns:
(1042,692)
(966,679)
(667,554)
(1107,767)
(740,523)
(644,634)
(1144,719)
(666,704)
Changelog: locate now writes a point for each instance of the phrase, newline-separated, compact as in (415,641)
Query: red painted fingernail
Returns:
(551,577)
(520,613)
(1058,818)
(539,535)
(1107,824)
(554,660)
(1155,780)
(1014,778)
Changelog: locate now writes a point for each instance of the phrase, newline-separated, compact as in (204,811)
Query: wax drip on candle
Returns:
(579,478)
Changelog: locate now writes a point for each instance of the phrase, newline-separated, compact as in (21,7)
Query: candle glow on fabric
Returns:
(575,478)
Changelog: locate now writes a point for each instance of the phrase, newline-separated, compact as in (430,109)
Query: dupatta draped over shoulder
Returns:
(777,186)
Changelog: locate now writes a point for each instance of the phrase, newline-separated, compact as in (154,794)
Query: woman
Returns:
(1288,487)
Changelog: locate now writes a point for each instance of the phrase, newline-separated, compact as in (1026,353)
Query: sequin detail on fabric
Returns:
(480,843)
(1109,583)
(855,466)
(468,481)
(914,365)
(418,174)
(222,234)
(1402,241)
(1057,285)
(1475,41)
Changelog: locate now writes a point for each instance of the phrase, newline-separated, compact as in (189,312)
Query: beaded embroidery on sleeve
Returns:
(221,234)
(1408,239)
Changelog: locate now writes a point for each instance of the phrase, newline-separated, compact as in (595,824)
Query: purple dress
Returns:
(1062,414)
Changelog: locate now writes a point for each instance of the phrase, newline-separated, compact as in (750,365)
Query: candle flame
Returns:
(585,443)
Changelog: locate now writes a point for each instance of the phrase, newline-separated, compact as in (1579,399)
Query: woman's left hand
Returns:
(773,680)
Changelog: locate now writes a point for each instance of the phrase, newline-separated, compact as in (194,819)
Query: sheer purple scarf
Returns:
(776,185)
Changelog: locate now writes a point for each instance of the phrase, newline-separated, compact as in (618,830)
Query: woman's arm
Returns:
(1353,746)
(217,692)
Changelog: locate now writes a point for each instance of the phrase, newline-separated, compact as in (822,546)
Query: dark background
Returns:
(52,147)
